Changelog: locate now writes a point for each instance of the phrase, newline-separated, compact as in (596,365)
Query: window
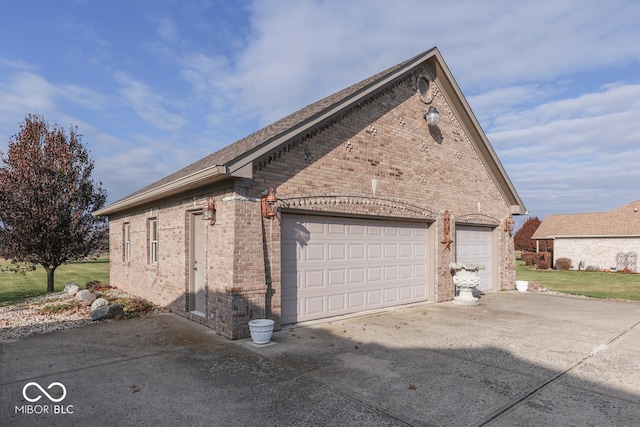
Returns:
(126,239)
(153,241)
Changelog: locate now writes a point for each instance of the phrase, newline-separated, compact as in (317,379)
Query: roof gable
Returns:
(236,160)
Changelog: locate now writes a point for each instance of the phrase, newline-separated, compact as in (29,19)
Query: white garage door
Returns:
(473,246)
(333,266)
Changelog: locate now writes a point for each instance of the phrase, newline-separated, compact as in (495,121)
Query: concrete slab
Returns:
(517,359)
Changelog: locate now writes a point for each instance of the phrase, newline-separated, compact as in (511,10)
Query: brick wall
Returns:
(596,252)
(419,172)
(389,141)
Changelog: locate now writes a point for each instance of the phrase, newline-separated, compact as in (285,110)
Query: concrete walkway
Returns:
(517,359)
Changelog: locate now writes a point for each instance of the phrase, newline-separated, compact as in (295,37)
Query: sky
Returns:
(156,85)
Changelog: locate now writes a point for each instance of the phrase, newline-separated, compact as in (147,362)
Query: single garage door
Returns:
(474,246)
(333,266)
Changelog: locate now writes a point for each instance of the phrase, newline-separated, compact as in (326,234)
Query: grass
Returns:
(15,287)
(586,283)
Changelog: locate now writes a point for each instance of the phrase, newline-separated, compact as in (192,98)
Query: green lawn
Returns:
(16,286)
(587,283)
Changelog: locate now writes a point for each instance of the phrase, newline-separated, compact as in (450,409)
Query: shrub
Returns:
(563,264)
(543,265)
(592,268)
(62,307)
(532,258)
(529,258)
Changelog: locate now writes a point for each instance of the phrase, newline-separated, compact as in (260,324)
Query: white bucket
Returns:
(261,330)
(522,285)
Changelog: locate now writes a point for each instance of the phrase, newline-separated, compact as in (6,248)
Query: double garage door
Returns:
(333,266)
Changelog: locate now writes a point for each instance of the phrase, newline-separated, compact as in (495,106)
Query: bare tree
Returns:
(47,197)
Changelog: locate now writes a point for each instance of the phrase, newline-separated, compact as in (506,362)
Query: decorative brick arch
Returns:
(479,219)
(358,205)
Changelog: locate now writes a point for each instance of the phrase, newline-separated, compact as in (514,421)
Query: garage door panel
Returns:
(356,251)
(313,252)
(337,229)
(344,265)
(374,230)
(374,274)
(336,303)
(391,251)
(390,272)
(337,251)
(356,275)
(406,293)
(314,305)
(356,230)
(337,277)
(405,272)
(356,300)
(374,297)
(390,295)
(374,251)
(313,279)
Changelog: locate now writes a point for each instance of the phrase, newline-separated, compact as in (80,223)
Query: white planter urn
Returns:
(465,277)
(522,285)
(261,330)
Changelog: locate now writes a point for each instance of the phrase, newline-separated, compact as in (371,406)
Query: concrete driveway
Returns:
(517,359)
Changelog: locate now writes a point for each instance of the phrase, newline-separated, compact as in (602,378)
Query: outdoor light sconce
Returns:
(269,207)
(432,115)
(209,210)
(508,225)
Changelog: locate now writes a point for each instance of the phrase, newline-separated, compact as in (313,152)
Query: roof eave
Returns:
(585,236)
(206,176)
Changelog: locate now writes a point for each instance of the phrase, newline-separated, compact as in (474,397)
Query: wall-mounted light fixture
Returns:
(508,225)
(432,115)
(269,206)
(209,210)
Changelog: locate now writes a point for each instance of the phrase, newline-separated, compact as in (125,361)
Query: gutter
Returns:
(588,236)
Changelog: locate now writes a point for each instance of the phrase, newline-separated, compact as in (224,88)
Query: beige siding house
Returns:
(605,240)
(370,205)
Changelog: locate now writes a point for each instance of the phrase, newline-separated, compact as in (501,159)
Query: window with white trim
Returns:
(153,241)
(126,241)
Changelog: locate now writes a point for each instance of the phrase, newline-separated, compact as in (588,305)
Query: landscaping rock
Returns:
(85,297)
(107,312)
(71,288)
(92,285)
(100,302)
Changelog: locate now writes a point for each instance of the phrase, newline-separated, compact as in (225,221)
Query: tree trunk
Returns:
(50,271)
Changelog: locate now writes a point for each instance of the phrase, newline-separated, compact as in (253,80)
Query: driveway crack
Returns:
(509,406)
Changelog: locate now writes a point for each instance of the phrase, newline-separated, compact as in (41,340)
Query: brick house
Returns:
(373,204)
(605,240)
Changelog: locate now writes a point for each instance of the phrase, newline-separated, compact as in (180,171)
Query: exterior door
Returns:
(197,276)
(474,246)
(333,266)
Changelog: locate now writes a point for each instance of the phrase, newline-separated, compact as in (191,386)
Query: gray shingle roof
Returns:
(237,159)
(623,221)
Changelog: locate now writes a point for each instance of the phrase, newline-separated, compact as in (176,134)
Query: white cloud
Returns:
(147,104)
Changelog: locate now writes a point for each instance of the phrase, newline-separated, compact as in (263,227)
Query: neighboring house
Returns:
(373,204)
(605,240)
